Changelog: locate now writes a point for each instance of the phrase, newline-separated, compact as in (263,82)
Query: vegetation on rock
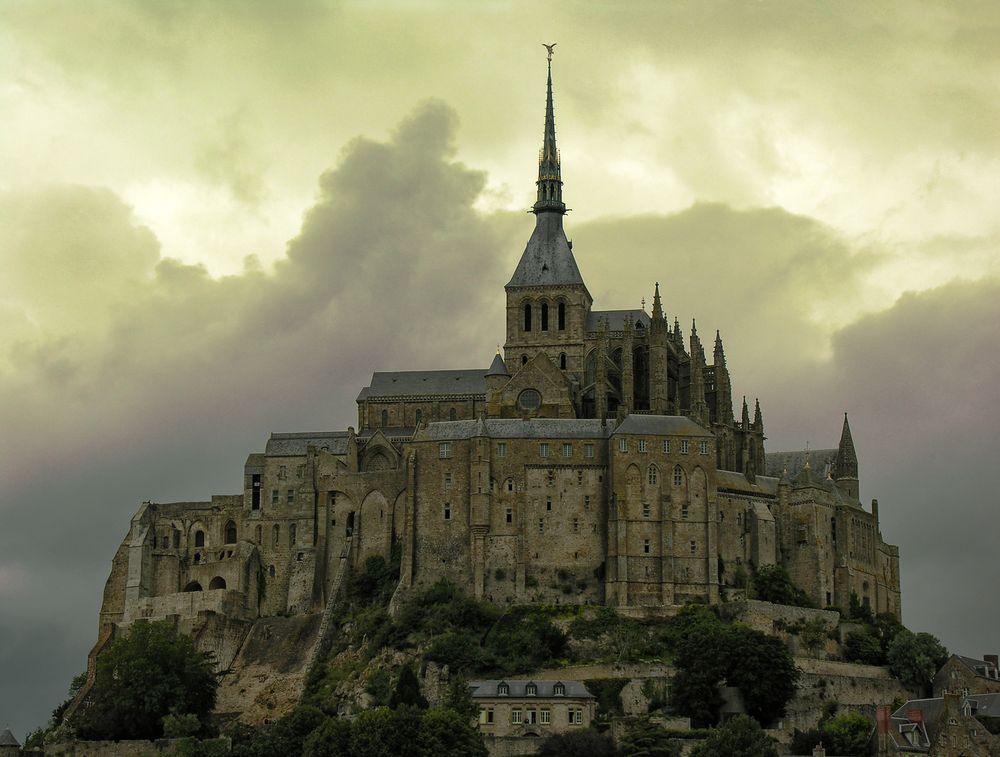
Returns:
(741,736)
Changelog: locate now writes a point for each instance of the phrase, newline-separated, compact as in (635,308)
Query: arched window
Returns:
(509,485)
(217,583)
(452,415)
(291,535)
(653,474)
(385,418)
(527,316)
(193,586)
(545,316)
(271,571)
(524,359)
(678,475)
(199,538)
(562,360)
(418,417)
(230,533)
(275,535)
(562,316)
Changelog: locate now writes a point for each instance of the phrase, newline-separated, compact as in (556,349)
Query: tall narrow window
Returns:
(562,360)
(418,417)
(452,414)
(255,491)
(545,316)
(291,535)
(230,533)
(385,418)
(678,475)
(654,474)
(524,359)
(562,316)
(199,539)
(527,317)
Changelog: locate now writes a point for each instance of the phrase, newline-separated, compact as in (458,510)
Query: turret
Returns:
(658,358)
(699,407)
(846,464)
(723,387)
(601,371)
(497,376)
(628,382)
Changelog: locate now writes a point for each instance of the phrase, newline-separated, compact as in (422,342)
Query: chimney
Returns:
(819,751)
(882,717)
(992,658)
(915,716)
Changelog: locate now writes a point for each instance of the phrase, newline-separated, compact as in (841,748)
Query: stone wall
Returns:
(118,748)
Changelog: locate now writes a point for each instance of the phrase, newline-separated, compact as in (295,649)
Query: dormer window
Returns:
(503,689)
(531,690)
(559,690)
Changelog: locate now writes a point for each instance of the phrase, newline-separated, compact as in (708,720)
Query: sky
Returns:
(217,219)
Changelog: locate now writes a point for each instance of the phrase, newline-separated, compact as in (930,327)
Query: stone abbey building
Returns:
(599,459)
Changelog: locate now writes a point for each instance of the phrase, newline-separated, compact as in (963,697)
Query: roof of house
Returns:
(616,319)
(979,667)
(410,383)
(547,258)
(7,738)
(517,688)
(661,425)
(794,461)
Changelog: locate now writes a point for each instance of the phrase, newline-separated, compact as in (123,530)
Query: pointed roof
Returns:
(846,464)
(549,168)
(498,367)
(657,306)
(7,739)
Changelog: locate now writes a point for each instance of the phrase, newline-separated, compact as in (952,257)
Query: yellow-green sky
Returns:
(216,219)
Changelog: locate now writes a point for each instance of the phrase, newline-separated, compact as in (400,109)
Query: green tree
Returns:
(587,743)
(848,734)
(763,670)
(741,736)
(385,733)
(701,664)
(407,691)
(648,740)
(914,658)
(773,584)
(332,739)
(142,676)
(458,697)
(445,733)
(864,647)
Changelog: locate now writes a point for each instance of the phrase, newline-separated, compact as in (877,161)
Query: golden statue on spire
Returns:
(549,48)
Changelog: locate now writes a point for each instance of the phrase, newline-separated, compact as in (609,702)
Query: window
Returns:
(509,484)
(623,445)
(545,316)
(527,316)
(485,715)
(684,511)
(292,535)
(531,690)
(694,547)
(576,525)
(642,445)
(678,475)
(562,360)
(586,501)
(447,480)
(447,511)
(417,418)
(510,515)
(199,538)
(545,717)
(543,449)
(275,496)
(684,446)
(588,450)
(452,415)
(529,400)
(501,449)
(567,450)
(275,535)
(548,504)
(646,510)
(562,316)
(230,533)
(385,418)
(645,546)
(503,689)
(530,716)
(559,690)
(255,491)
(282,471)
(290,496)
(541,525)
(654,475)
(579,477)
(524,359)
(515,717)
(550,477)
(576,716)
(666,446)
(444,450)
(703,447)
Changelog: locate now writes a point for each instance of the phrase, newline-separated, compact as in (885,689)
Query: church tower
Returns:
(547,301)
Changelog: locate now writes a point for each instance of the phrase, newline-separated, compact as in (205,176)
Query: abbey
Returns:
(599,459)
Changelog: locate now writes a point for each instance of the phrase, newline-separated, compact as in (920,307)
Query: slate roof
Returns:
(735,481)
(662,425)
(7,739)
(976,666)
(795,460)
(280,445)
(410,383)
(616,319)
(498,367)
(547,259)
(574,689)
(516,428)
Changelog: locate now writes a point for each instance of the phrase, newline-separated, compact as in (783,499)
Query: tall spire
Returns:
(847,458)
(549,171)
(657,305)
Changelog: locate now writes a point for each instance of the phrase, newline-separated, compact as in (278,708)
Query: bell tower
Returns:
(547,301)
